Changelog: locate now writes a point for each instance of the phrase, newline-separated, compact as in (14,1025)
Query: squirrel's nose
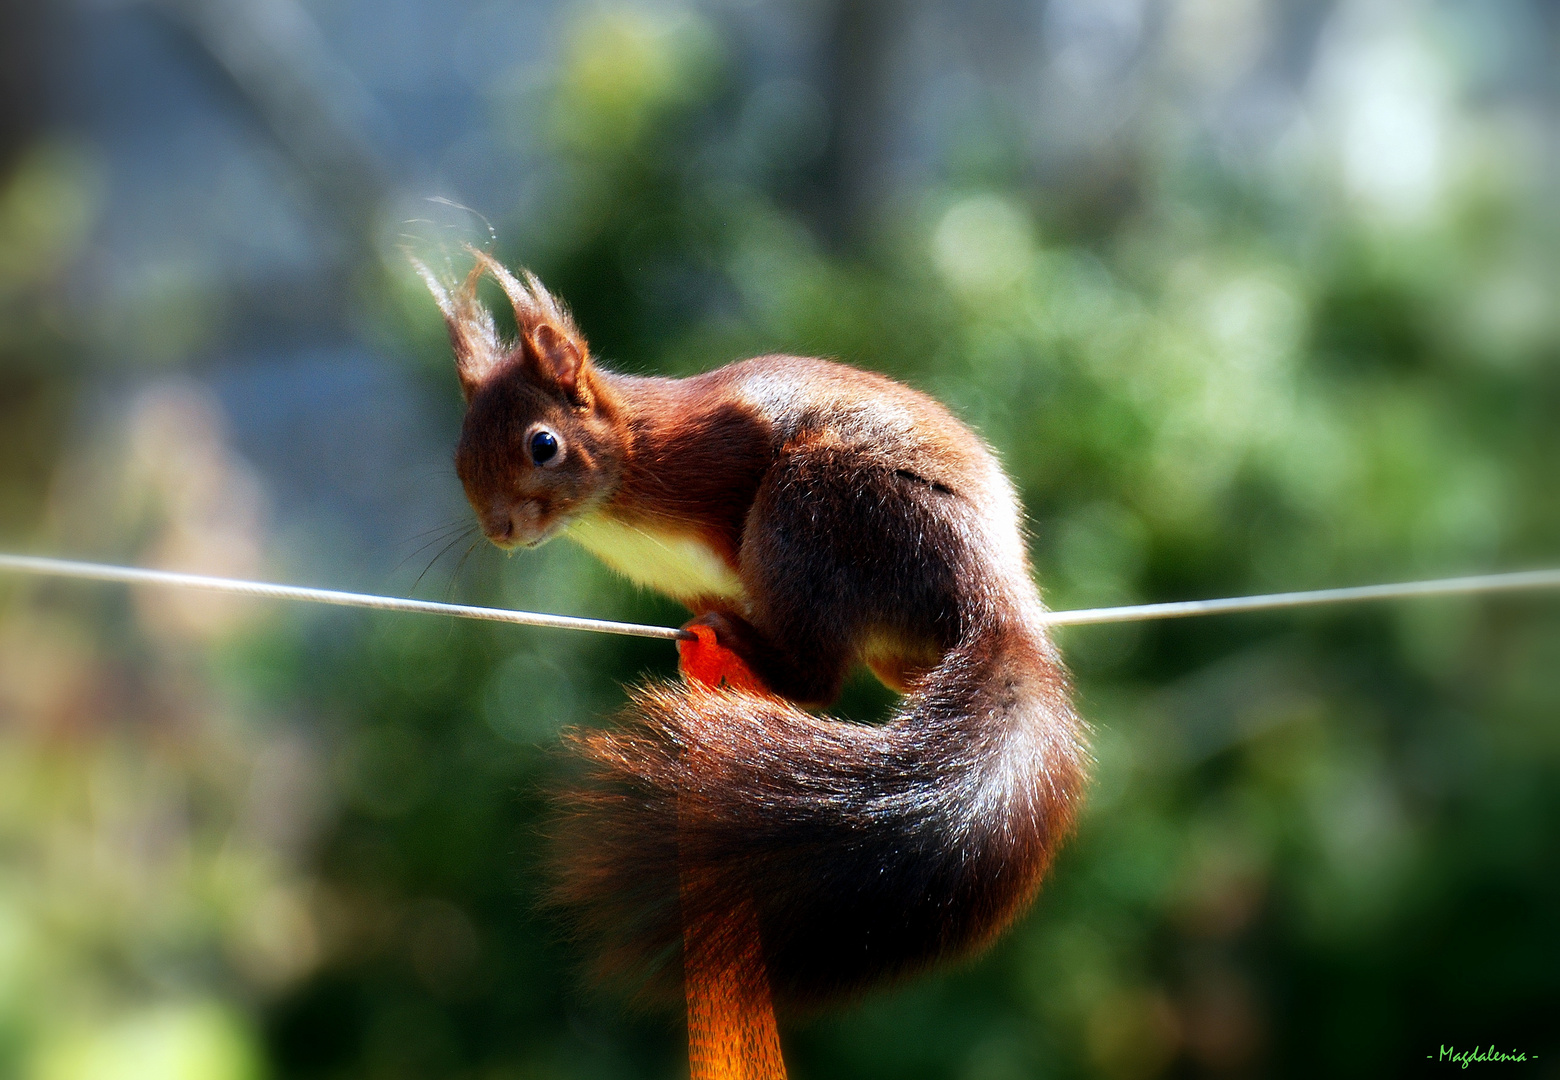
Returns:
(500,527)
(512,525)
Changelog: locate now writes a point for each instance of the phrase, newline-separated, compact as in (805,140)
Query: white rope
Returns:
(1526,580)
(1529,580)
(28,564)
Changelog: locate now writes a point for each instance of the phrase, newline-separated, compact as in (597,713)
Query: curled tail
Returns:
(864,852)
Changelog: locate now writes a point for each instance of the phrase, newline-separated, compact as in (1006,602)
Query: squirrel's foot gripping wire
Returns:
(705,660)
(732,1033)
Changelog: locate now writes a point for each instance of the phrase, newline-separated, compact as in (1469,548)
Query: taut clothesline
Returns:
(1522,581)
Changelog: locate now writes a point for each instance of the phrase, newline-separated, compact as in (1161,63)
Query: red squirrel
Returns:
(812,516)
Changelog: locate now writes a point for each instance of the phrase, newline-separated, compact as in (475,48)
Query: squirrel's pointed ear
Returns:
(551,346)
(555,357)
(478,348)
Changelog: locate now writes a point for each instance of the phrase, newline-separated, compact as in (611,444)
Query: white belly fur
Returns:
(672,563)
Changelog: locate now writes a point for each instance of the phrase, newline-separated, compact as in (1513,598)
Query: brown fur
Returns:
(842,518)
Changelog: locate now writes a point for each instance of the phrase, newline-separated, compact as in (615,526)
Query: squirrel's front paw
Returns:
(704,659)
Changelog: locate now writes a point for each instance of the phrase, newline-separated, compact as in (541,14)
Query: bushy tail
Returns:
(866,852)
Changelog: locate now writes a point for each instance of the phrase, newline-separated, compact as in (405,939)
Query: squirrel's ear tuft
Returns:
(478,348)
(551,346)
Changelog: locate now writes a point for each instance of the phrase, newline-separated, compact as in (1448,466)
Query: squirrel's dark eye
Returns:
(544,446)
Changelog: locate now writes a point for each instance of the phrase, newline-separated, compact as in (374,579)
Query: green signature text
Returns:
(1478,1055)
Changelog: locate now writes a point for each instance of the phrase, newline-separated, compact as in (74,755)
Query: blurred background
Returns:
(1249,295)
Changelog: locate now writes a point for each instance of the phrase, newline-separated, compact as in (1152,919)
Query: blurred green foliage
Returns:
(235,845)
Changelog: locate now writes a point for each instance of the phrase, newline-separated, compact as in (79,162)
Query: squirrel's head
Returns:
(538,447)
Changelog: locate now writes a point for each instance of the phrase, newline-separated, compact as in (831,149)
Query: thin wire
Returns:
(1527,580)
(28,564)
(1459,586)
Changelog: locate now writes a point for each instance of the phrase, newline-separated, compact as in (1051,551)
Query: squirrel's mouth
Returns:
(552,530)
